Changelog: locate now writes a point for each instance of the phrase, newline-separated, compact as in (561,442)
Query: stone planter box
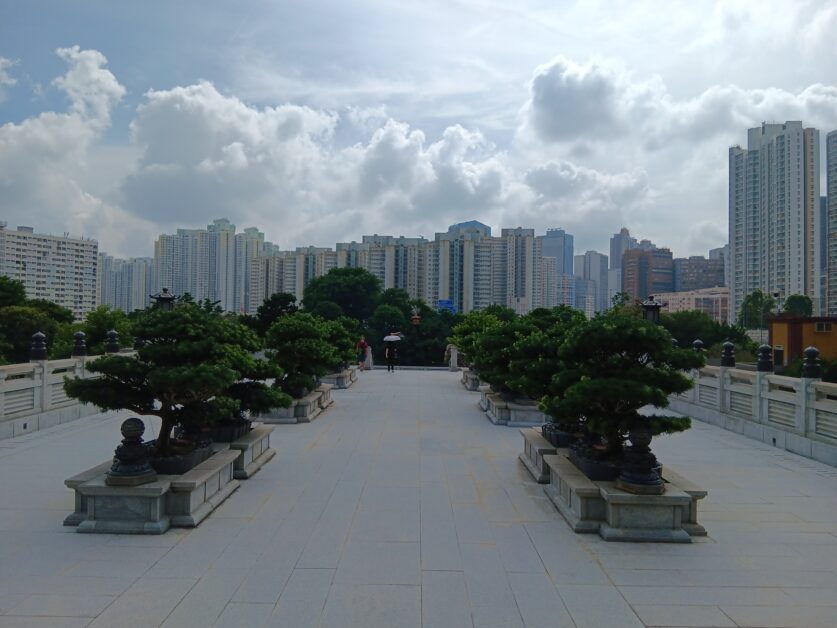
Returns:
(341,380)
(616,515)
(197,493)
(470,380)
(501,412)
(254,451)
(354,371)
(171,500)
(535,447)
(302,410)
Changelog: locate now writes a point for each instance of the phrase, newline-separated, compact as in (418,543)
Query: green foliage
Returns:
(426,342)
(355,290)
(298,344)
(467,331)
(17,325)
(493,350)
(56,312)
(799,304)
(340,337)
(688,326)
(612,366)
(755,308)
(327,310)
(100,321)
(536,355)
(196,368)
(274,307)
(12,292)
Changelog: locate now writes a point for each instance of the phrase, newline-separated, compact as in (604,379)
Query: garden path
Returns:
(403,506)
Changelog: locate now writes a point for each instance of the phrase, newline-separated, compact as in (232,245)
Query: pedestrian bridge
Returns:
(402,505)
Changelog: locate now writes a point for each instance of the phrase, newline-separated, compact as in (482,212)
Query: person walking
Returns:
(390,350)
(362,348)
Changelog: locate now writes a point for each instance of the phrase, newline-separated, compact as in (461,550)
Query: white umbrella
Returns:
(391,338)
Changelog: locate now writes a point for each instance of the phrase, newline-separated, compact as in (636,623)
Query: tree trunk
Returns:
(164,437)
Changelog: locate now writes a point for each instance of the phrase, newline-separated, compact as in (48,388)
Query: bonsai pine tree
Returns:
(196,368)
(298,344)
(341,341)
(612,366)
(535,356)
(467,331)
(492,352)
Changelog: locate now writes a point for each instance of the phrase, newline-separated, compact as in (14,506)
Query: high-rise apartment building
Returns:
(831,201)
(647,272)
(124,284)
(722,253)
(592,267)
(59,269)
(619,243)
(558,243)
(774,214)
(696,272)
(212,263)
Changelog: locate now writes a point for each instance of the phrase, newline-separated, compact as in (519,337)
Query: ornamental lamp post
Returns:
(165,299)
(651,309)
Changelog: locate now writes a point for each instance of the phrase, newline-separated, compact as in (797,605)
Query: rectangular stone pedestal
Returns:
(616,515)
(636,518)
(171,500)
(198,492)
(354,370)
(690,514)
(509,413)
(254,451)
(325,399)
(78,515)
(470,380)
(302,410)
(575,496)
(341,380)
(535,447)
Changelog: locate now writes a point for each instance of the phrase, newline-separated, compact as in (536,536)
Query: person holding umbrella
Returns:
(390,351)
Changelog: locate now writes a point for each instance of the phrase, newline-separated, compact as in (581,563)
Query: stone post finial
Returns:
(697,345)
(139,343)
(765,361)
(728,354)
(38,348)
(79,345)
(811,365)
(131,466)
(112,341)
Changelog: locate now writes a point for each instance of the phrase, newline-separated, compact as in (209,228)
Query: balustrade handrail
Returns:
(35,387)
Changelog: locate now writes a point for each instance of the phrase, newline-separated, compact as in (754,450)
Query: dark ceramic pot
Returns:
(229,431)
(593,468)
(181,463)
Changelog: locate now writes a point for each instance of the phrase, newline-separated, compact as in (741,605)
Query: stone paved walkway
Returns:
(403,506)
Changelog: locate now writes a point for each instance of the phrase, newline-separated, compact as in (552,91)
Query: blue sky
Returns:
(320,121)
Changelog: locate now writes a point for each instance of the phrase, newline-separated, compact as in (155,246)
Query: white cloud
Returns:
(6,79)
(44,159)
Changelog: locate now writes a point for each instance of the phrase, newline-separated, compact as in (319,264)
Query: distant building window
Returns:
(823,328)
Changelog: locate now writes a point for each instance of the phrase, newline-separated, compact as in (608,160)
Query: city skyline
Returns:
(399,119)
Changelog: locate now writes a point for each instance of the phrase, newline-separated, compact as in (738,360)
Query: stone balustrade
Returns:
(32,395)
(798,415)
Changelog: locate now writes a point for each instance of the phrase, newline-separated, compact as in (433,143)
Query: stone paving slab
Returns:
(403,506)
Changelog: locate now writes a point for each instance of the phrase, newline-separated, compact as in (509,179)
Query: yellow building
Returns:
(790,335)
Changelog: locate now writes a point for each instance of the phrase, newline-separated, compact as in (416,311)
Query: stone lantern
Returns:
(651,309)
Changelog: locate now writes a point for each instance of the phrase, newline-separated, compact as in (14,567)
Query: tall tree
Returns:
(355,290)
(799,304)
(755,308)
(12,292)
(274,307)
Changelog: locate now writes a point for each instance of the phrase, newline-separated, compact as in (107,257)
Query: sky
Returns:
(319,121)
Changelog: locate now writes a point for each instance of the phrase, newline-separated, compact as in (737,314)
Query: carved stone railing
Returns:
(32,394)
(799,415)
